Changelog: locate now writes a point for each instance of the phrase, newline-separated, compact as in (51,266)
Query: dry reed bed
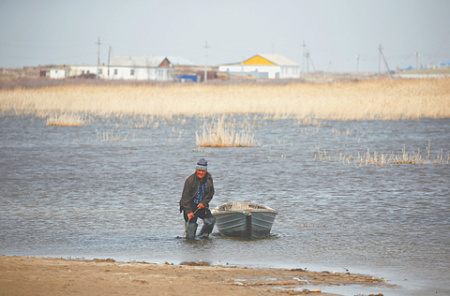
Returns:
(374,158)
(375,99)
(223,133)
(65,120)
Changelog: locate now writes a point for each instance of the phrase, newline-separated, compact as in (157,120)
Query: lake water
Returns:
(110,189)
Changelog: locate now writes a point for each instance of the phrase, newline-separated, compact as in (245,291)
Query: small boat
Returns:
(244,219)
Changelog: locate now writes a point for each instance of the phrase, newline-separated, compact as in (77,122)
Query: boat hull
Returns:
(244,223)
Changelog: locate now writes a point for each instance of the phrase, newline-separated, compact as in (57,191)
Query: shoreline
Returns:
(21,275)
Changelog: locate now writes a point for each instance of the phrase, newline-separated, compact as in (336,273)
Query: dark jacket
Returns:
(190,190)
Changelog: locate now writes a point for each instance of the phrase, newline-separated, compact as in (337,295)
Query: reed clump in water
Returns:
(375,99)
(65,120)
(308,122)
(222,133)
(381,159)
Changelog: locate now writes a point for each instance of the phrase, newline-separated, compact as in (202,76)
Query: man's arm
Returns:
(186,196)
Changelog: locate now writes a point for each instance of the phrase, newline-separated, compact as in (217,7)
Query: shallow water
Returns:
(111,189)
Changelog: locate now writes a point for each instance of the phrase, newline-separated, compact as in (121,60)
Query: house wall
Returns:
(163,74)
(126,73)
(119,73)
(165,63)
(273,72)
(81,70)
(58,73)
(290,72)
(150,73)
(139,69)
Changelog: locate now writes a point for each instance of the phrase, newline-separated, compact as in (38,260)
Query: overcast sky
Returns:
(335,32)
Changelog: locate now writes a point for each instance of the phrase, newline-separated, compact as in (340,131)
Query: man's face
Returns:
(201,174)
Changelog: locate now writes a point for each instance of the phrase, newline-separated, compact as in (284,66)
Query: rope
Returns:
(187,224)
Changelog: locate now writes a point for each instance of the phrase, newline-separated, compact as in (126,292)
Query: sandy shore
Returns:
(53,276)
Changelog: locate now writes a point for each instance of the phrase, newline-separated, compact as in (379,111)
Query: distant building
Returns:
(86,71)
(139,68)
(271,66)
(58,72)
(157,68)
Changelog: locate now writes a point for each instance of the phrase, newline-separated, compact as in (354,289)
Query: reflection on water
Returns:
(110,189)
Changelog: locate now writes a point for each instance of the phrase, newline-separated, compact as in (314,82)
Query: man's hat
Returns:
(202,165)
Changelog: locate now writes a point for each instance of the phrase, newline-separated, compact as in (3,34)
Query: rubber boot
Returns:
(191,230)
(208,226)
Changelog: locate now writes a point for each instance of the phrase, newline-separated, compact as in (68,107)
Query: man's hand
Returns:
(190,216)
(200,206)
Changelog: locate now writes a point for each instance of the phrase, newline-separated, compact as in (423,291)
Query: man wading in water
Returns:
(197,193)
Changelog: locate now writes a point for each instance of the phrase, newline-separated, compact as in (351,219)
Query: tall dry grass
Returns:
(65,120)
(374,158)
(375,99)
(223,133)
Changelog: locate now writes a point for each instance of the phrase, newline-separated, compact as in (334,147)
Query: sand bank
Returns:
(53,276)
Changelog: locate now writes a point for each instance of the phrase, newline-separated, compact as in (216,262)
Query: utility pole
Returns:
(379,64)
(303,58)
(307,61)
(109,60)
(98,56)
(417,61)
(206,61)
(385,62)
(357,63)
(310,60)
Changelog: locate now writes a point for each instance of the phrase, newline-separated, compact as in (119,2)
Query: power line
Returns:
(17,45)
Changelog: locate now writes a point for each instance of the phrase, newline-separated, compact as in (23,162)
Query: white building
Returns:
(139,68)
(270,66)
(59,72)
(157,68)
(85,70)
